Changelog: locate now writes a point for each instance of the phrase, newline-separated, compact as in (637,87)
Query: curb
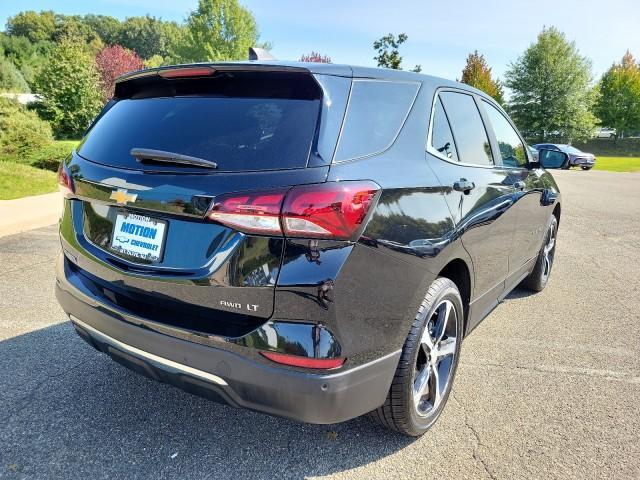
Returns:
(28,213)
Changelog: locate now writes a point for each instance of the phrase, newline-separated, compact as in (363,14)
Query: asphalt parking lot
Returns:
(548,385)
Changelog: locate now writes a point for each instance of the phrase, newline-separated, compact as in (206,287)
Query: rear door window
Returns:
(471,137)
(441,136)
(239,122)
(376,113)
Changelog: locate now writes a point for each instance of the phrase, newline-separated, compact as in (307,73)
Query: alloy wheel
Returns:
(548,252)
(435,360)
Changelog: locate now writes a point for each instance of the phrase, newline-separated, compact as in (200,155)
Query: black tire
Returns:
(400,411)
(539,276)
(586,168)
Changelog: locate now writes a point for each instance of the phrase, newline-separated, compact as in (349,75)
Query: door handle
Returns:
(519,185)
(463,185)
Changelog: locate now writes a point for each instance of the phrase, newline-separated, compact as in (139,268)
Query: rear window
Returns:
(376,112)
(239,121)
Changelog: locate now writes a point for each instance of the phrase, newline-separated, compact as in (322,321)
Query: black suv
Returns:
(306,240)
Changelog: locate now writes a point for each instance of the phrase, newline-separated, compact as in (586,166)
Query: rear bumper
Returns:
(224,375)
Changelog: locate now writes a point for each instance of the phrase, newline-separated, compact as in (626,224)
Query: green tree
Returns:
(551,95)
(11,80)
(155,61)
(69,86)
(389,53)
(148,36)
(218,30)
(478,74)
(33,25)
(28,57)
(107,28)
(75,26)
(619,103)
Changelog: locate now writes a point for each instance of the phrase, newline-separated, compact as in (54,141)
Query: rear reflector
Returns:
(304,362)
(186,72)
(334,210)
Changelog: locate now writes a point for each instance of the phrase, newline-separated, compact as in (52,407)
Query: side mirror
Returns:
(552,158)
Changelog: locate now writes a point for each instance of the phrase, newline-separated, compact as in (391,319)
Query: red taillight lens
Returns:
(304,362)
(254,212)
(329,210)
(186,72)
(334,210)
(65,182)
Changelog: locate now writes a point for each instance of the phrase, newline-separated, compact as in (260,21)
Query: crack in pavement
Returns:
(587,372)
(26,400)
(478,443)
(24,267)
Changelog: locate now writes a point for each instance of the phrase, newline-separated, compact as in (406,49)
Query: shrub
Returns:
(50,156)
(22,132)
(315,57)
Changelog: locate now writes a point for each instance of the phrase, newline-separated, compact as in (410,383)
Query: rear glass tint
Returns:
(376,112)
(441,136)
(245,125)
(472,141)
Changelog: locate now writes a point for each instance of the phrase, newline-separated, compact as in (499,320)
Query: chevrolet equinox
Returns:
(306,240)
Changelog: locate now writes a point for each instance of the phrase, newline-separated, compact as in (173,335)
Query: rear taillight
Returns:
(304,362)
(328,210)
(335,210)
(249,212)
(65,182)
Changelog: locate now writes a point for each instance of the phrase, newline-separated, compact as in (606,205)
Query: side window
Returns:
(472,141)
(441,136)
(376,112)
(512,149)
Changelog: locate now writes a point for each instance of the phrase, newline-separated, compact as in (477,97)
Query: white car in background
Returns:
(605,132)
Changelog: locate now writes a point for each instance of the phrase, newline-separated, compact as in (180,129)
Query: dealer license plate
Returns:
(139,236)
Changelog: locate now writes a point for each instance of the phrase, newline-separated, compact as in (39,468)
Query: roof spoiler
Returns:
(256,53)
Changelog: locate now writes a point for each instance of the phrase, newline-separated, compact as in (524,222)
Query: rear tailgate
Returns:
(136,230)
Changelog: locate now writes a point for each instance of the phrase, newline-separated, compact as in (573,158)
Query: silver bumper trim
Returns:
(194,372)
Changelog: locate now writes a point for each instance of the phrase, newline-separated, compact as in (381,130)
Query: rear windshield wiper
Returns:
(142,154)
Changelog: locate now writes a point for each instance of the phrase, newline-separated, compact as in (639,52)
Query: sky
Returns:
(441,34)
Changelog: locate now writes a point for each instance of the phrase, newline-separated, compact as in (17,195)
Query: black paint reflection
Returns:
(306,340)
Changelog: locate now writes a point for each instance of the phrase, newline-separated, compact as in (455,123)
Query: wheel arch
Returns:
(556,212)
(459,273)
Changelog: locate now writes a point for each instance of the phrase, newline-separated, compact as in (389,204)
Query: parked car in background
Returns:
(306,240)
(605,132)
(533,152)
(576,158)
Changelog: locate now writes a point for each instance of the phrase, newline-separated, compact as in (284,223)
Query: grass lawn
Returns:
(18,181)
(618,164)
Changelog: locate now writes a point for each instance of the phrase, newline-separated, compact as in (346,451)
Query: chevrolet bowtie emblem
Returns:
(122,197)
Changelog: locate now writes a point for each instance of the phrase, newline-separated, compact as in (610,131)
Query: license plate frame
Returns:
(136,252)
